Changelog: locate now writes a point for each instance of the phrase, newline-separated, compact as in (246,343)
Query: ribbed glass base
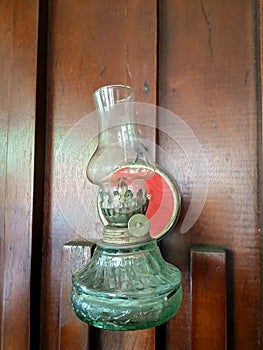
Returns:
(127,288)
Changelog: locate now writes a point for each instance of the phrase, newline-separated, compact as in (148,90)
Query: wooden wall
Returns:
(18,66)
(199,59)
(207,76)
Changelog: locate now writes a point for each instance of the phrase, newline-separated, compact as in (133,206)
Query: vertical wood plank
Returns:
(259,67)
(140,60)
(206,76)
(132,340)
(144,339)
(18,57)
(208,298)
(91,44)
(73,332)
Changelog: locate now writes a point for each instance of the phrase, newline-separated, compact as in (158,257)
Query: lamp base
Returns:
(127,288)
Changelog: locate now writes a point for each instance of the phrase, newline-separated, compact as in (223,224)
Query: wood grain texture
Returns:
(91,44)
(133,340)
(208,298)
(206,76)
(18,61)
(259,67)
(74,334)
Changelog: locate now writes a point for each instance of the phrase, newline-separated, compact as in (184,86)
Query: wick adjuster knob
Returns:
(139,225)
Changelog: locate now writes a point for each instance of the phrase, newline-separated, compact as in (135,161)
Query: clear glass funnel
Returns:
(120,165)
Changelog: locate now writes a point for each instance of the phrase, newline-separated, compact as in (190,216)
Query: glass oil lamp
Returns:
(127,285)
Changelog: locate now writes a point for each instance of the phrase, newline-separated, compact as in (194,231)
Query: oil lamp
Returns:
(127,285)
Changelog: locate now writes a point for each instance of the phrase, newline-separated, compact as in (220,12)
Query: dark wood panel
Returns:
(18,36)
(91,44)
(73,332)
(133,340)
(259,68)
(208,298)
(206,76)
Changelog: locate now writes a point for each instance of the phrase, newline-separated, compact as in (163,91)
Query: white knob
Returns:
(139,225)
